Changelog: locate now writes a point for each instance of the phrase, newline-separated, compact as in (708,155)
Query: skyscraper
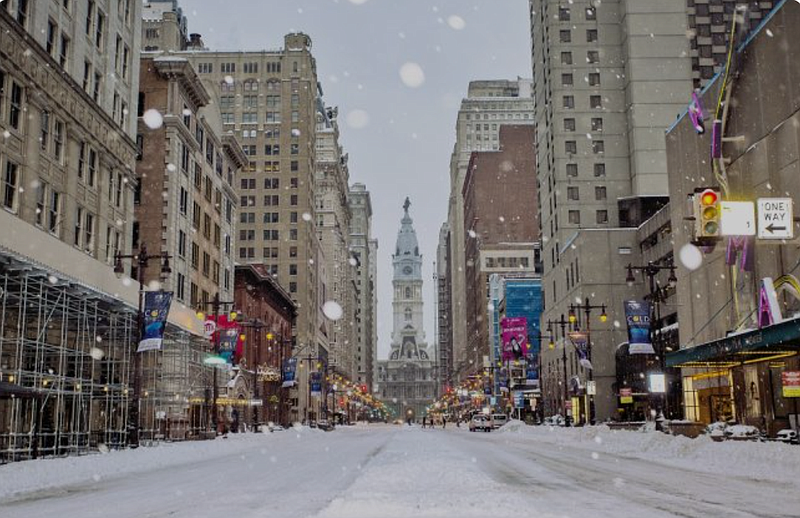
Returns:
(365,318)
(609,79)
(488,105)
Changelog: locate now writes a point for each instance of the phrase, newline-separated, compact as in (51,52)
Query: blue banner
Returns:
(289,372)
(580,339)
(637,315)
(155,311)
(316,383)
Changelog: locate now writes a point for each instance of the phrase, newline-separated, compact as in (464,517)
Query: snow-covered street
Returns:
(393,471)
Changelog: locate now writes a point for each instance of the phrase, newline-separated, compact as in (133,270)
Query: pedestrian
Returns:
(444,422)
(424,421)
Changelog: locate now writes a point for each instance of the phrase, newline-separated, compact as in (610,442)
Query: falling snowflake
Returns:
(306,216)
(412,75)
(456,22)
(691,257)
(153,119)
(332,310)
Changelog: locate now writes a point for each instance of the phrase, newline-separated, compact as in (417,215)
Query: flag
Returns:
(156,309)
(580,339)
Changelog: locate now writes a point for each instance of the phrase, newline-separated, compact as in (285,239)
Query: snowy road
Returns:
(380,471)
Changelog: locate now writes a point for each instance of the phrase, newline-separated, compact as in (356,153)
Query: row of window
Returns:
(270,117)
(571,147)
(565,13)
(270,200)
(270,166)
(565,35)
(592,57)
(573,193)
(251,67)
(269,183)
(599,170)
(596,124)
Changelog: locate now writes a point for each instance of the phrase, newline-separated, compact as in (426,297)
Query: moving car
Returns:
(480,422)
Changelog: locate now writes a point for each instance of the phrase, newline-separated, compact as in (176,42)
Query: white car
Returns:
(499,420)
(480,422)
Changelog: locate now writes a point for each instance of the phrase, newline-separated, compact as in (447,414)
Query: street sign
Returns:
(591,388)
(738,218)
(209,327)
(775,218)
(657,383)
(625,396)
(791,383)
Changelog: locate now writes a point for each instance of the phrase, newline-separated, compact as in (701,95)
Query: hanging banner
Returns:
(228,339)
(289,372)
(156,308)
(580,339)
(637,315)
(316,383)
(519,399)
(515,338)
(532,372)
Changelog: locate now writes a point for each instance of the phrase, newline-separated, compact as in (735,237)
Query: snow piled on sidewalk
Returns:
(19,479)
(769,461)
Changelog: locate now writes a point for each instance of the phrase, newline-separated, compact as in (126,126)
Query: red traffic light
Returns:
(709,197)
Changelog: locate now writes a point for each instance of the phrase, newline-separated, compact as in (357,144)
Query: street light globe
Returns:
(200,315)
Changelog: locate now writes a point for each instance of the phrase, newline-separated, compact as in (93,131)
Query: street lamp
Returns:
(215,358)
(657,295)
(562,323)
(141,260)
(587,308)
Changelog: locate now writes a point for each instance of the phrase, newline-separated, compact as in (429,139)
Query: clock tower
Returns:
(406,380)
(408,336)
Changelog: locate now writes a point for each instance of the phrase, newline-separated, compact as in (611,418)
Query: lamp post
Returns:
(562,323)
(657,295)
(141,260)
(587,308)
(257,325)
(215,304)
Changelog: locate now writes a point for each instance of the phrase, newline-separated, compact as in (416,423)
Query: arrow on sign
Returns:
(772,228)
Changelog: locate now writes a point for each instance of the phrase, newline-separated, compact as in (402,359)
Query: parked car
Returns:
(788,436)
(480,422)
(324,425)
(499,420)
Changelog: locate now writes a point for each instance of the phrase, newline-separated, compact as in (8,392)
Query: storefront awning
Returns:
(776,341)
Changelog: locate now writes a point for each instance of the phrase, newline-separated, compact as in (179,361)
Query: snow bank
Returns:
(21,478)
(769,461)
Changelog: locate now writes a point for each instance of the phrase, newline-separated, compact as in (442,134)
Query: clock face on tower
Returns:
(407,270)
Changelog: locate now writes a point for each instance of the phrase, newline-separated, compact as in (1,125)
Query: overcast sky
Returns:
(360,47)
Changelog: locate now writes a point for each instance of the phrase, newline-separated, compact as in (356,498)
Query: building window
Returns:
(602,216)
(595,101)
(592,56)
(575,217)
(573,194)
(565,36)
(572,170)
(598,146)
(569,101)
(594,79)
(569,124)
(563,14)
(566,79)
(599,193)
(591,35)
(597,124)
(570,147)
(591,13)
(599,170)
(566,58)
(54,212)
(15,105)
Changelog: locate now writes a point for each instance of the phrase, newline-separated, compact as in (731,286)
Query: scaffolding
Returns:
(176,389)
(64,365)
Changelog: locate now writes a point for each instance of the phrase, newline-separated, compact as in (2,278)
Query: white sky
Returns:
(360,47)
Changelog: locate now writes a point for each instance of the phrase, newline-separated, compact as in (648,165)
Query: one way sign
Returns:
(775,218)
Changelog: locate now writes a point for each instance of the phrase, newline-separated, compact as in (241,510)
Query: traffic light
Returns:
(707,214)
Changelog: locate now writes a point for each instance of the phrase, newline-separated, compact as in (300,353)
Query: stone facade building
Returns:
(444,311)
(186,204)
(365,317)
(406,379)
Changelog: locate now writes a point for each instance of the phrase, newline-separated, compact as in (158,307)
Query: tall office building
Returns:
(609,78)
(268,100)
(333,231)
(360,238)
(444,312)
(186,205)
(373,279)
(488,105)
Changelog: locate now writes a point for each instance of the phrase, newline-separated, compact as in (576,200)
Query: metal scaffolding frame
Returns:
(64,365)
